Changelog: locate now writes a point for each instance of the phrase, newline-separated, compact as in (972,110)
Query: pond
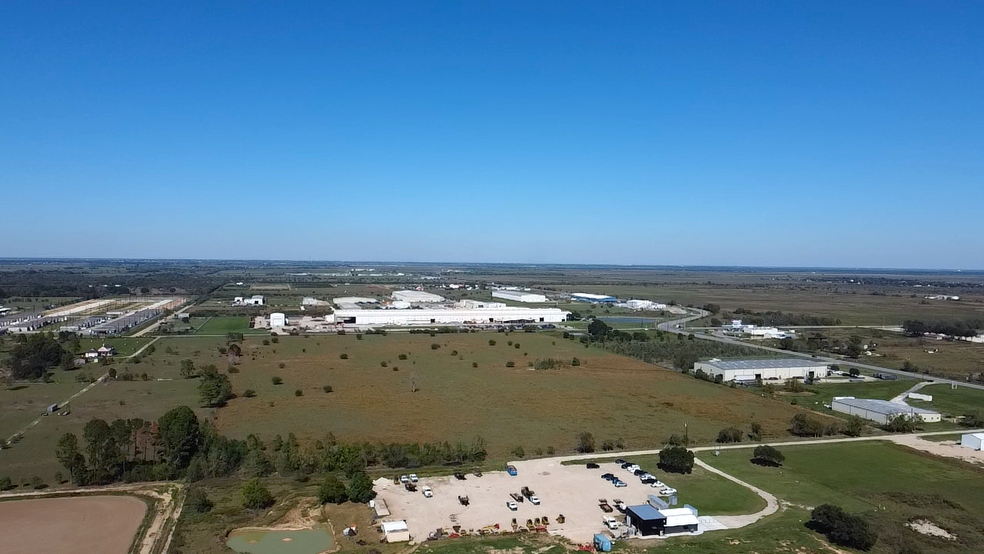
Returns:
(305,541)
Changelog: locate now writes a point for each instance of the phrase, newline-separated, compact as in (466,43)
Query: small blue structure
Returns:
(602,543)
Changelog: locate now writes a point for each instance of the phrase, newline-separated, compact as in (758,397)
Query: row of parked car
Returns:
(645,478)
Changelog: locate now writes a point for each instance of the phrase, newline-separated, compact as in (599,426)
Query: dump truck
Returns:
(516,497)
(603,504)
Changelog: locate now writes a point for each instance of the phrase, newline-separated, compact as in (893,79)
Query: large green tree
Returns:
(179,437)
(676,459)
(214,389)
(70,457)
(332,491)
(33,356)
(360,488)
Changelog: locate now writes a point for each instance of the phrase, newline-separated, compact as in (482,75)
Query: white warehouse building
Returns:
(519,296)
(763,370)
(973,440)
(881,411)
(278,320)
(416,296)
(447,316)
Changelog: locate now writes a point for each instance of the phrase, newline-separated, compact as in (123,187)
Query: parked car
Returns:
(511,470)
(632,468)
(427,491)
(592,465)
(668,491)
(413,478)
(512,505)
(639,472)
(658,484)
(619,461)
(625,465)
(611,523)
(620,483)
(608,476)
(404,479)
(534,499)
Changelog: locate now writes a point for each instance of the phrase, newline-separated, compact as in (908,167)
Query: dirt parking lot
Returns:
(104,524)
(572,490)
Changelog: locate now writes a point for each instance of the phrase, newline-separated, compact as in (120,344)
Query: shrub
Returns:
(676,459)
(276,380)
(608,445)
(518,452)
(275,340)
(585,442)
(343,356)
(510,364)
(328,388)
(454,352)
(382,364)
(298,392)
(435,346)
(491,342)
(281,365)
(902,423)
(729,434)
(199,501)
(266,342)
(854,427)
(332,490)
(842,528)
(509,343)
(360,488)
(222,350)
(766,455)
(756,434)
(255,495)
(516,346)
(474,364)
(403,356)
(357,337)
(803,425)
(575,362)
(550,451)
(249,393)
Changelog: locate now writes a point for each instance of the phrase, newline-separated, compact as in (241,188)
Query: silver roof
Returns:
(883,406)
(764,364)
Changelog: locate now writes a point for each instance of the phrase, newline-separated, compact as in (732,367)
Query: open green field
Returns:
(953,402)
(125,346)
(222,325)
(888,483)
(608,395)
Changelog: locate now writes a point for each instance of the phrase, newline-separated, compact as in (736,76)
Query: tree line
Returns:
(180,446)
(956,328)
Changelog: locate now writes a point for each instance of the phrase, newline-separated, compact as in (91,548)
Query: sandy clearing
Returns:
(104,524)
(948,449)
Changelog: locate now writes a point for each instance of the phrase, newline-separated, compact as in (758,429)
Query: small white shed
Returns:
(278,320)
(973,440)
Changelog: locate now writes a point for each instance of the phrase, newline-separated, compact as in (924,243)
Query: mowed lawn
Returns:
(609,396)
(888,483)
(228,324)
(956,402)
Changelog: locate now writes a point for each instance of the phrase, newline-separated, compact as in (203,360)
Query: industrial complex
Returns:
(519,296)
(447,316)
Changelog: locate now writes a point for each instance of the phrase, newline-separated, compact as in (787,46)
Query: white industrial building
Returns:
(447,316)
(255,300)
(416,296)
(636,304)
(278,320)
(593,298)
(763,370)
(973,440)
(519,296)
(759,332)
(881,411)
(470,304)
(352,302)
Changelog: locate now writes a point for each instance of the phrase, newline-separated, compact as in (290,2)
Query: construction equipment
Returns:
(529,524)
(463,500)
(546,520)
(561,518)
(514,524)
(516,497)
(410,487)
(527,492)
(459,476)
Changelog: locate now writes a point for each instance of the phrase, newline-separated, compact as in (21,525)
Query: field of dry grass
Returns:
(609,396)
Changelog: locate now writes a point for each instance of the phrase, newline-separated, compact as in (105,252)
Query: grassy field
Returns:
(955,402)
(224,325)
(124,346)
(887,483)
(608,395)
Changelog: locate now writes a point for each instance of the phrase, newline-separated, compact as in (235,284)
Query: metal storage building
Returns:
(448,316)
(880,411)
(649,521)
(278,320)
(518,296)
(595,298)
(416,296)
(752,370)
(973,440)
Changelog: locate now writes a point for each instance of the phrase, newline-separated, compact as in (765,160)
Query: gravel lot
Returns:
(571,490)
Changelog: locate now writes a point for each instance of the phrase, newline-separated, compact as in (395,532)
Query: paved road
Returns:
(671,326)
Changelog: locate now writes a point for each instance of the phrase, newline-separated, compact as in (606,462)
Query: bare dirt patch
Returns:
(926,527)
(104,524)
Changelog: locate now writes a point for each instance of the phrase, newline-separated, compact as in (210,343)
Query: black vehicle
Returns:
(639,472)
(619,461)
(608,476)
(626,465)
(648,480)
(592,465)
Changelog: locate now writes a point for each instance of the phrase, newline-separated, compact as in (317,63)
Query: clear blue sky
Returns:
(733,133)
